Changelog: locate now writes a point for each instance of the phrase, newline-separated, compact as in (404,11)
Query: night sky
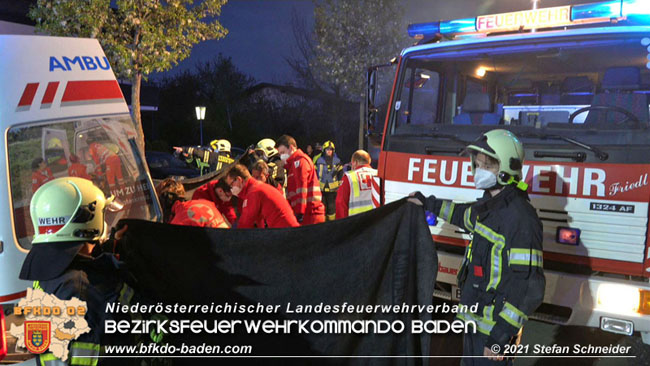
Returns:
(260,33)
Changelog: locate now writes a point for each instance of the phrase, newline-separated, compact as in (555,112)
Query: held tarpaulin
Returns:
(383,257)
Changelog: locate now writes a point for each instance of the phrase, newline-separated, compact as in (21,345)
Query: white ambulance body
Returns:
(61,102)
(573,83)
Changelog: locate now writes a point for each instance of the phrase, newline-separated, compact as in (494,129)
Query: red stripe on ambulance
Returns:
(28,95)
(91,90)
(50,92)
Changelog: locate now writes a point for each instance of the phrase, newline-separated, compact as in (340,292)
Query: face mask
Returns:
(484,179)
(284,157)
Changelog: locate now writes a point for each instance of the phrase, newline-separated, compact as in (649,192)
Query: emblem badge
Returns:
(37,336)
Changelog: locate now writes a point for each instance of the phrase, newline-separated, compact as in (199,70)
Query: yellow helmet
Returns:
(267,147)
(220,145)
(505,147)
(66,213)
(68,209)
(328,145)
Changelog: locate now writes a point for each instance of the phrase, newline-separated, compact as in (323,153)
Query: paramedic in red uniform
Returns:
(41,173)
(178,211)
(260,201)
(218,192)
(77,169)
(104,157)
(303,188)
(358,191)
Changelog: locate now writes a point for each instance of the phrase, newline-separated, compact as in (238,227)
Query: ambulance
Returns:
(62,114)
(573,83)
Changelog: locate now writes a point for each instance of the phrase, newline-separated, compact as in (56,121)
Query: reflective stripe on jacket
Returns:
(364,190)
(329,175)
(502,269)
(303,188)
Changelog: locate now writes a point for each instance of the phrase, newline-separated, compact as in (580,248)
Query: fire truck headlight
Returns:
(621,299)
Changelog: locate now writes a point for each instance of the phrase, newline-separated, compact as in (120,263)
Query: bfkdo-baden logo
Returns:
(37,336)
(50,323)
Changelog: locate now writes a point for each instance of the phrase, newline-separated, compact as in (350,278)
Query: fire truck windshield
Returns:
(596,85)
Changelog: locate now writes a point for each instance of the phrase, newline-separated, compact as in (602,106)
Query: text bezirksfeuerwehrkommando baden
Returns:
(289,308)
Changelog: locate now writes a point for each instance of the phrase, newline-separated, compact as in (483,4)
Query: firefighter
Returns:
(41,173)
(502,266)
(178,211)
(266,151)
(330,172)
(68,218)
(218,192)
(359,191)
(107,163)
(76,169)
(262,205)
(303,189)
(207,159)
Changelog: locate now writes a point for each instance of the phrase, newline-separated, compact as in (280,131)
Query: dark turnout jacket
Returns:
(503,266)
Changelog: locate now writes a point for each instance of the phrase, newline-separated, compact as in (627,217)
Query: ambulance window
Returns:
(95,149)
(418,98)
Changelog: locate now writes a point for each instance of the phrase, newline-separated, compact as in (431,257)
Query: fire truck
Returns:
(61,107)
(573,83)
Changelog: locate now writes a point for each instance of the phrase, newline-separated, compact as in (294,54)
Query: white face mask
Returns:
(284,157)
(484,179)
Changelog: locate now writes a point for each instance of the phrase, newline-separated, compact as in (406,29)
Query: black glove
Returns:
(431,203)
(299,217)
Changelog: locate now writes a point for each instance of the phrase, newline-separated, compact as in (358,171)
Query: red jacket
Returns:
(260,201)
(78,170)
(207,192)
(202,213)
(40,177)
(303,188)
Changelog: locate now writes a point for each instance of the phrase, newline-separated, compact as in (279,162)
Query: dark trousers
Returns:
(329,200)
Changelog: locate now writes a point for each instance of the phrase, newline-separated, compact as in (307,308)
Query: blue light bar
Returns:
(636,7)
(607,9)
(637,11)
(467,25)
(420,30)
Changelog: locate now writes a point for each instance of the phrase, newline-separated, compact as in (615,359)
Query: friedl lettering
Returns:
(618,187)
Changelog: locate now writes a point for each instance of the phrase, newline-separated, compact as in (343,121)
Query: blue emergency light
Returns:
(633,10)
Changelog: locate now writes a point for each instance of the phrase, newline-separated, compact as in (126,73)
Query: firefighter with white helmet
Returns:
(265,150)
(208,159)
(502,269)
(68,218)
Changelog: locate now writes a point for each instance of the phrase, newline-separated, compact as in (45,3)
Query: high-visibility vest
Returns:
(364,190)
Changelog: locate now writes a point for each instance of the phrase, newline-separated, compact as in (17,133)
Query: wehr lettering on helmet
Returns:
(50,225)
